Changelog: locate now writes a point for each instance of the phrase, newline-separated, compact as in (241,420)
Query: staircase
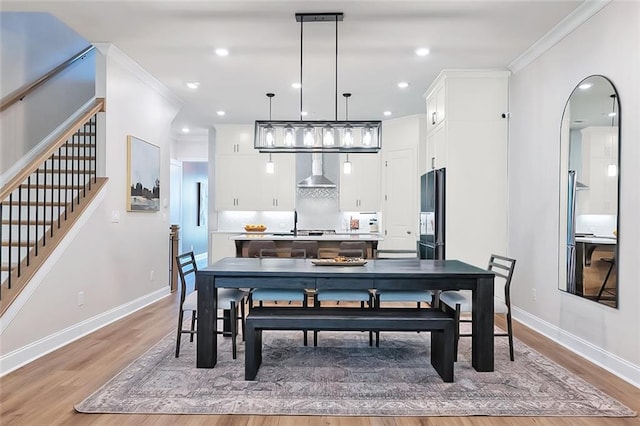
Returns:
(41,203)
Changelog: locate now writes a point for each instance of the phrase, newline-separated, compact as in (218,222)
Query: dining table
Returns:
(378,274)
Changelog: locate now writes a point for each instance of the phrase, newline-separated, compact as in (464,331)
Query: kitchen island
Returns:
(327,243)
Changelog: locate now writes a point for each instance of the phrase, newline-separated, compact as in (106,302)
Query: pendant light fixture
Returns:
(363,136)
(346,167)
(270,137)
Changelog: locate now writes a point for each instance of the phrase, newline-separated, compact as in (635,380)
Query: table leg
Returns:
(206,351)
(482,325)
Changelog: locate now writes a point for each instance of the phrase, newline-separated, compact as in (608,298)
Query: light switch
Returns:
(115,216)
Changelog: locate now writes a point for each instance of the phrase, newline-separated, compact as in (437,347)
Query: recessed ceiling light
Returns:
(304,113)
(296,85)
(403,85)
(221,51)
(185,130)
(422,51)
(585,86)
(193,85)
(220,113)
(387,113)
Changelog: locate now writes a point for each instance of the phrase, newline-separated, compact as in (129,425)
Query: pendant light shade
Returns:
(346,167)
(362,136)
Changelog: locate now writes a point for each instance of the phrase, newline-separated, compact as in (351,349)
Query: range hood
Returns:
(317,178)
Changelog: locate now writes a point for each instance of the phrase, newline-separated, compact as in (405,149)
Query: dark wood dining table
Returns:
(292,273)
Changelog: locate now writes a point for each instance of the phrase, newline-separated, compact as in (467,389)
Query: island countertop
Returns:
(290,237)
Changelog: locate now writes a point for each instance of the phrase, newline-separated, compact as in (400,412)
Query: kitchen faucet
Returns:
(295,223)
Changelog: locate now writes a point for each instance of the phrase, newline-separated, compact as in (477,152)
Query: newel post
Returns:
(174,239)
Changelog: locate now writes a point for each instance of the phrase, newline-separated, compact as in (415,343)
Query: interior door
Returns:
(400,213)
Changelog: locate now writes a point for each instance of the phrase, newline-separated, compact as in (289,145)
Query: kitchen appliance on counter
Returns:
(432,215)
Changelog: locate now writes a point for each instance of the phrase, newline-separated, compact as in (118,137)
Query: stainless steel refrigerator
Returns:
(432,215)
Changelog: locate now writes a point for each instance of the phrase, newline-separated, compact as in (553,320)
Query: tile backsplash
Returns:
(601,225)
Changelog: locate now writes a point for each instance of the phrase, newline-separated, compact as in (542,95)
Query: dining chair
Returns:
(611,261)
(365,297)
(266,249)
(228,299)
(461,301)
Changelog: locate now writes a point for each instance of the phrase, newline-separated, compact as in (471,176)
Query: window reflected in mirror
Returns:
(589,183)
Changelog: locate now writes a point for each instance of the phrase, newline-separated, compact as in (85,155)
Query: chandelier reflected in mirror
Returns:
(362,136)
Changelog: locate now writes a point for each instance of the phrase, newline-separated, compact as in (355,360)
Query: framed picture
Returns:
(143,176)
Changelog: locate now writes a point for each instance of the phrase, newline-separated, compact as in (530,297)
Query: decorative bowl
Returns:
(255,228)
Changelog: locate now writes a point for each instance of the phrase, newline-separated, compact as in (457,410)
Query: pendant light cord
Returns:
(336,96)
(301,31)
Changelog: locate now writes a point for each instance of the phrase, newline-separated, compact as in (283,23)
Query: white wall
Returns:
(607,44)
(110,262)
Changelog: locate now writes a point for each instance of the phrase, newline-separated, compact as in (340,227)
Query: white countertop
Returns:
(328,237)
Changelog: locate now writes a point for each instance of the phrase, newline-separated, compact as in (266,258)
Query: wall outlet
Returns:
(282,226)
(151,275)
(115,216)
(534,297)
(80,298)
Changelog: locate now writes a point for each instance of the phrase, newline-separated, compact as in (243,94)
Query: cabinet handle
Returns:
(433,162)
(434,115)
(409,232)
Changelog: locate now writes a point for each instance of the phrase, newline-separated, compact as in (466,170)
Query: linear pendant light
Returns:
(354,136)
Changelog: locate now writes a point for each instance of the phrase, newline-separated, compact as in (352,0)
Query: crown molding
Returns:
(572,21)
(111,51)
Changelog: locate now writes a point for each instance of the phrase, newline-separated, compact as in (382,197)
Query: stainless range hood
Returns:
(317,178)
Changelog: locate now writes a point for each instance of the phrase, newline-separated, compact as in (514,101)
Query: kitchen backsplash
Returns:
(601,225)
(317,215)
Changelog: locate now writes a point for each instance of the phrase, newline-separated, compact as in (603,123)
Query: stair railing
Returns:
(39,199)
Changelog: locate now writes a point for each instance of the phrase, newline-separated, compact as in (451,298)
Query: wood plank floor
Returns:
(44,391)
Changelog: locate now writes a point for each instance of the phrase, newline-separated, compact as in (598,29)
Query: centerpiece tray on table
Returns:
(340,261)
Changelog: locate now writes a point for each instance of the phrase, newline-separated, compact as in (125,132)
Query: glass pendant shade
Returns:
(269,136)
(347,136)
(346,167)
(289,135)
(367,136)
(309,136)
(327,136)
(271,168)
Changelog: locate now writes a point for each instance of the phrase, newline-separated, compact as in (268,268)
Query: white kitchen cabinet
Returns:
(238,183)
(467,136)
(360,190)
(235,139)
(278,188)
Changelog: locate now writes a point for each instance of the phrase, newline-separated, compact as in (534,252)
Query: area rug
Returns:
(343,376)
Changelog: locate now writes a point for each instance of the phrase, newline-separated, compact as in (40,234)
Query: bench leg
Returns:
(442,342)
(253,352)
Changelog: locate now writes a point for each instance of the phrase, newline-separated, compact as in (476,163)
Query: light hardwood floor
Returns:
(44,391)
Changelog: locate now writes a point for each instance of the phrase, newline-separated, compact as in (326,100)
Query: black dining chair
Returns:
(228,299)
(461,301)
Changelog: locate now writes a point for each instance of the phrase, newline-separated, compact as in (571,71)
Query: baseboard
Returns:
(16,359)
(610,362)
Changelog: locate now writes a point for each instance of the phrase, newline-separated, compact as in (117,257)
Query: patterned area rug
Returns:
(343,376)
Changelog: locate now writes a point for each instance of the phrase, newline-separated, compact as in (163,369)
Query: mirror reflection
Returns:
(589,178)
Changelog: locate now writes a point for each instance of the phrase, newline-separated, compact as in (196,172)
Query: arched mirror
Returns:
(589,183)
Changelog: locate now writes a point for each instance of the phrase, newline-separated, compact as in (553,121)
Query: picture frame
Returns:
(143,175)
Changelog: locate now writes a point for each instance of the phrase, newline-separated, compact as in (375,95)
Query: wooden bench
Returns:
(440,324)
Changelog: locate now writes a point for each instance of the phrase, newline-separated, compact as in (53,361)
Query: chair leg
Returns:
(376,305)
(233,311)
(305,304)
(604,283)
(316,304)
(242,316)
(193,325)
(180,317)
(510,332)
(457,333)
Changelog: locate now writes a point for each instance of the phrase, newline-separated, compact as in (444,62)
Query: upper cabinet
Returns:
(467,135)
(232,139)
(360,189)
(278,188)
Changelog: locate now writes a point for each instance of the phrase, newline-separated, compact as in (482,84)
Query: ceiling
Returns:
(175,42)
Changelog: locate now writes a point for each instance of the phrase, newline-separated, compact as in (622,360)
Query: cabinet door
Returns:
(234,139)
(436,107)
(237,183)
(359,190)
(278,188)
